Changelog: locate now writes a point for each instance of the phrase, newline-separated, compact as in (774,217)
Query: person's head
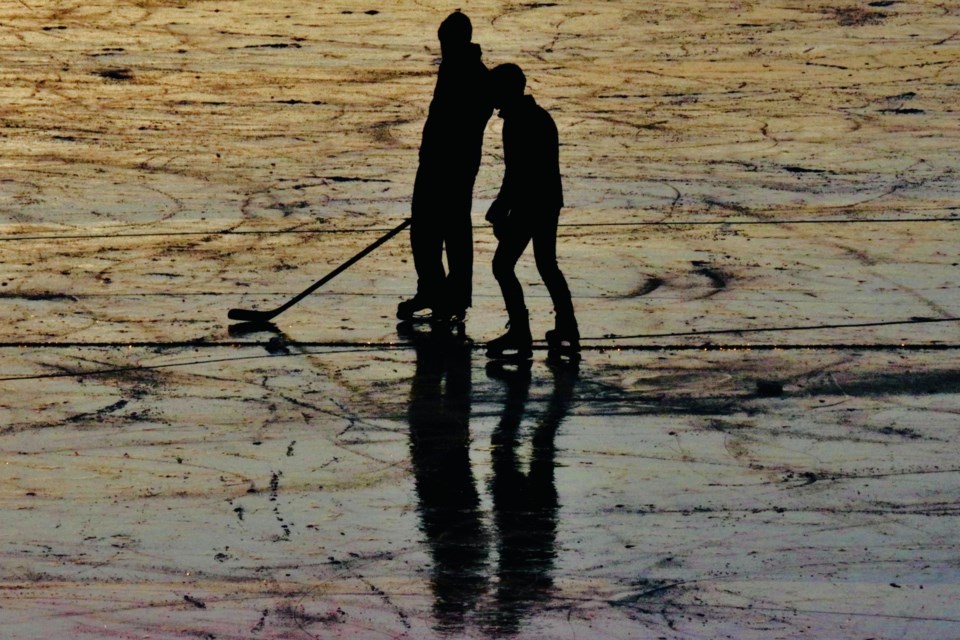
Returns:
(455,31)
(507,83)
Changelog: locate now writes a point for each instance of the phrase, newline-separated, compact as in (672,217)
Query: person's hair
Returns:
(509,79)
(456,28)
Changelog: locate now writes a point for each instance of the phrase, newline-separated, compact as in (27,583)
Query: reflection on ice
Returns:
(778,178)
(524,500)
(448,501)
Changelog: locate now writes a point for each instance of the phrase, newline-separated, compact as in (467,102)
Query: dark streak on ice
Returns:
(352,179)
(293,102)
(903,111)
(40,296)
(648,287)
(269,45)
(716,277)
(274,486)
(796,169)
(120,404)
(119,75)
(733,206)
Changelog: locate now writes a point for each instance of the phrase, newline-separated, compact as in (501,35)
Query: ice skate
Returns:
(442,336)
(453,319)
(416,309)
(515,344)
(563,344)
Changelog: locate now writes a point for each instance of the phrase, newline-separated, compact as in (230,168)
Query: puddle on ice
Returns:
(760,440)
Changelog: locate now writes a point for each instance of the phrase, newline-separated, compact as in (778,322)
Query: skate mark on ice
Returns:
(274,494)
(99,414)
(652,284)
(718,279)
(855,16)
(26,295)
(115,74)
(869,261)
(812,327)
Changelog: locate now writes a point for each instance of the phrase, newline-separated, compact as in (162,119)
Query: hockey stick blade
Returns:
(250,315)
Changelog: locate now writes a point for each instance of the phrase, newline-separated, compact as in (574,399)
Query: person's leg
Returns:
(513,242)
(426,243)
(545,254)
(511,246)
(458,292)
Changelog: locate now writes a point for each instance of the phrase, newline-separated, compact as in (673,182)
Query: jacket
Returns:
(531,155)
(452,139)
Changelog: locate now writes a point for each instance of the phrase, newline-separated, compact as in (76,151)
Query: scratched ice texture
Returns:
(761,440)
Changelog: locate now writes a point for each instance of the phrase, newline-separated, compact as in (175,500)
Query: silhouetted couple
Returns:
(526,209)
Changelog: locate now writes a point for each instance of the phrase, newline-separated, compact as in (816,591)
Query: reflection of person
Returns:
(527,208)
(525,505)
(448,500)
(525,502)
(450,152)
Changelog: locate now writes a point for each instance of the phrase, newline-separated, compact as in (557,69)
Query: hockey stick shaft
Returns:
(251,315)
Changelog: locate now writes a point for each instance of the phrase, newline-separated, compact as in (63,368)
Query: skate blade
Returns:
(416,316)
(510,355)
(442,333)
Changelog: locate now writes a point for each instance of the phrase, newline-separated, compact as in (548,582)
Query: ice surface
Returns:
(761,239)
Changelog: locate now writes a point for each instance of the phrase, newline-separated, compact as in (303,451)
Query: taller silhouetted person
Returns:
(528,208)
(443,191)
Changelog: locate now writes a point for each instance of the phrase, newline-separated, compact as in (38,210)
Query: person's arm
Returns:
(499,211)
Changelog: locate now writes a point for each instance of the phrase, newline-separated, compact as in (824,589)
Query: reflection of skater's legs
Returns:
(545,252)
(513,242)
(525,504)
(447,498)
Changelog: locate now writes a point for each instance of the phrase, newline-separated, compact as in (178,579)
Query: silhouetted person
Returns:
(525,503)
(443,191)
(528,208)
(448,500)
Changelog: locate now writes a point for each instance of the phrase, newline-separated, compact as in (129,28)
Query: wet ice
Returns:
(165,162)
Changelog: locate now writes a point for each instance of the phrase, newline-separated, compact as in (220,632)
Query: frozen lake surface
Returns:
(761,237)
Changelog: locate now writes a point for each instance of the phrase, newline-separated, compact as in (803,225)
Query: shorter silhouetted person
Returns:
(527,208)
(450,152)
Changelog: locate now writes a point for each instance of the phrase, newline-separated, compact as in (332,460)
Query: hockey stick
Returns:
(252,315)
